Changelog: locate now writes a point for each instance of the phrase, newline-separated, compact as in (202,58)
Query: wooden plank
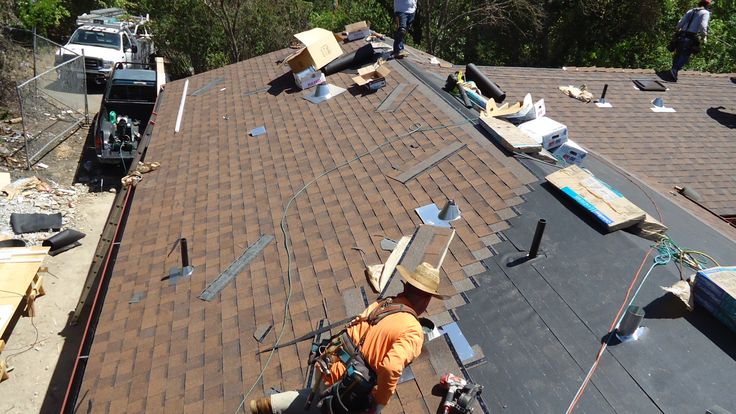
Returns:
(19,280)
(392,261)
(417,252)
(508,135)
(160,74)
(429,162)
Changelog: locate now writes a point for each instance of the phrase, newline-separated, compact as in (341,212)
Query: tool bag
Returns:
(684,41)
(352,394)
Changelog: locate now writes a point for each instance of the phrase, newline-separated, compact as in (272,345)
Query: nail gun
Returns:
(460,394)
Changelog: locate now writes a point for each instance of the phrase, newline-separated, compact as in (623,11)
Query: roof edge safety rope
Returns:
(287,246)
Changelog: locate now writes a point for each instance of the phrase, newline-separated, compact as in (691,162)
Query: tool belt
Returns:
(352,393)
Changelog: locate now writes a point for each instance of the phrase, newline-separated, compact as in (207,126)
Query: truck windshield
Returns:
(94,38)
(140,93)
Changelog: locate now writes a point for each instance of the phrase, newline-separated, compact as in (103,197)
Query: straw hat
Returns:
(425,278)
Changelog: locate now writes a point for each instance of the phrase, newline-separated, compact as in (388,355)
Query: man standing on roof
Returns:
(404,11)
(692,24)
(362,364)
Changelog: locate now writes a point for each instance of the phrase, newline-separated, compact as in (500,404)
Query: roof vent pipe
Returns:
(602,99)
(630,322)
(449,212)
(486,86)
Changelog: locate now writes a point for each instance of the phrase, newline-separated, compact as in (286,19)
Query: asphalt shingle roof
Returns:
(692,147)
(222,189)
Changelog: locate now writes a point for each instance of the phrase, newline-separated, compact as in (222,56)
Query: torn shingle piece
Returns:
(261,331)
(423,165)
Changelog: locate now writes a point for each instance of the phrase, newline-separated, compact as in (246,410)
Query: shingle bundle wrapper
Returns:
(31,223)
(606,204)
(715,291)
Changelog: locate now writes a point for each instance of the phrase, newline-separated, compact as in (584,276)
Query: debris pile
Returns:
(33,195)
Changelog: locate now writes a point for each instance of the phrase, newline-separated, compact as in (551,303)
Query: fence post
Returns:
(23,121)
(84,82)
(35,52)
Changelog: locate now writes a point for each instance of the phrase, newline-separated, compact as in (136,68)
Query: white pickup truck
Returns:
(106,37)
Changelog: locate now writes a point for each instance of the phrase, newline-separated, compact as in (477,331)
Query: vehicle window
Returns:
(138,93)
(126,42)
(93,38)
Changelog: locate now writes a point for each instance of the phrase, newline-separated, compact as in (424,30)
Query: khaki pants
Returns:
(292,402)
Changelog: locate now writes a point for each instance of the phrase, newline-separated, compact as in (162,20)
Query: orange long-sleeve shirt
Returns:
(389,346)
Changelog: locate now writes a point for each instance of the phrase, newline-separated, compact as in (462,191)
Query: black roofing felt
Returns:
(540,324)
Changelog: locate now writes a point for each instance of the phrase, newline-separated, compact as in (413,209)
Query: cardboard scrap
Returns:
(373,274)
(683,291)
(509,136)
(492,109)
(607,205)
(23,184)
(580,93)
(320,48)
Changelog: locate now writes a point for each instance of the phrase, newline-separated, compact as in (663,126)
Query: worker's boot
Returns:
(261,406)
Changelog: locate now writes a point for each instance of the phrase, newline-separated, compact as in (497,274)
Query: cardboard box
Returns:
(372,77)
(359,30)
(320,48)
(570,152)
(548,132)
(607,205)
(308,77)
(506,134)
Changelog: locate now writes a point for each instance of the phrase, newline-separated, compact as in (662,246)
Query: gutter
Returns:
(102,277)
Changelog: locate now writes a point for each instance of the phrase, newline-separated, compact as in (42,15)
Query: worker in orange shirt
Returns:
(362,364)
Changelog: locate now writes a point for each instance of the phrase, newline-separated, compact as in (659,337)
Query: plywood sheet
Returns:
(18,266)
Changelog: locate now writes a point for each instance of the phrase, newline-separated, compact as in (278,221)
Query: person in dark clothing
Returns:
(693,24)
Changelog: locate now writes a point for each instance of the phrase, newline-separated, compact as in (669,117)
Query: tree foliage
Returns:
(41,14)
(197,35)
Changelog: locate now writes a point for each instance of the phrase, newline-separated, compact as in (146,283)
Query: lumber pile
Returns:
(20,285)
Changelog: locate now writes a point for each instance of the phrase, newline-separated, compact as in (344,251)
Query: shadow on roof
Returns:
(668,306)
(284,83)
(726,119)
(665,75)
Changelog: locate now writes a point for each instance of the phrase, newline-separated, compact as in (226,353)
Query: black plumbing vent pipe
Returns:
(486,86)
(351,60)
(534,250)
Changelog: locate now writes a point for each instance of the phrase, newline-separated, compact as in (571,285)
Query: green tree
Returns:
(41,14)
(254,27)
(375,12)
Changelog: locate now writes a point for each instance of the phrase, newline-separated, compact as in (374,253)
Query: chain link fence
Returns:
(53,103)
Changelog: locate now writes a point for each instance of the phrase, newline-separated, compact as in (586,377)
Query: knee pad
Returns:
(402,31)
